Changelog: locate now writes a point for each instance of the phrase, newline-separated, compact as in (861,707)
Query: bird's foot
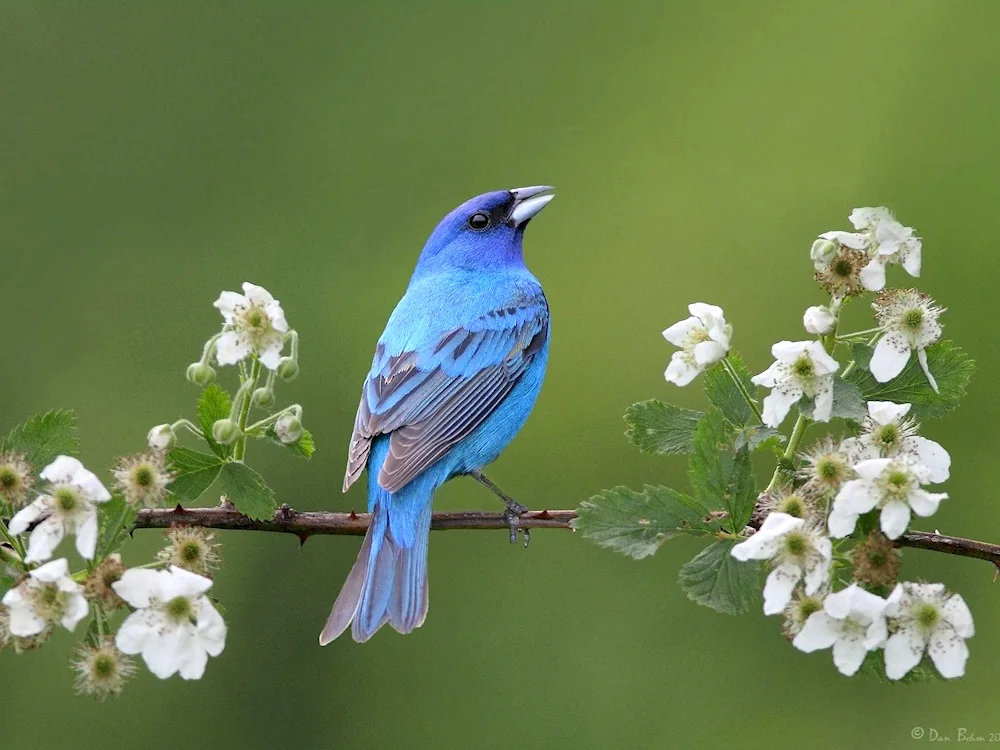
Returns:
(512,513)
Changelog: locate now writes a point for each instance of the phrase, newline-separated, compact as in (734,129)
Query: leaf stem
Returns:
(728,366)
(14,542)
(858,334)
(793,444)
(247,390)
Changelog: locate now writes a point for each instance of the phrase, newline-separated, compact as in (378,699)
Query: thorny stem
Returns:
(728,366)
(304,525)
(247,392)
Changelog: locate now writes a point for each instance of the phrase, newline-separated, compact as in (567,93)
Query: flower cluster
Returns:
(862,490)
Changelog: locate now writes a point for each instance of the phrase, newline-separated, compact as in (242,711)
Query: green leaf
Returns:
(862,355)
(848,403)
(111,517)
(658,428)
(193,472)
(214,404)
(717,580)
(950,366)
(723,393)
(6,584)
(246,489)
(304,447)
(721,475)
(42,438)
(760,437)
(637,523)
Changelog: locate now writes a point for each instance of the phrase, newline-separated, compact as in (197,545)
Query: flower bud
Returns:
(288,369)
(288,429)
(819,320)
(200,374)
(822,252)
(226,431)
(162,437)
(263,397)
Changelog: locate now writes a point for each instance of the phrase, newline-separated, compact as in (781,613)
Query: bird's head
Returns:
(484,232)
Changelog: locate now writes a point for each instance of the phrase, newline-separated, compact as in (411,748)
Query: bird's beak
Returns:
(528,201)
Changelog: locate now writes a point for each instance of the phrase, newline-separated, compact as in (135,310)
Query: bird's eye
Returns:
(479,221)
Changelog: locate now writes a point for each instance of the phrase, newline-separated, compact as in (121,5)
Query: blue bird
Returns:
(455,376)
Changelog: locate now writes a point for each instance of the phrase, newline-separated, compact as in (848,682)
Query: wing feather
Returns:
(430,400)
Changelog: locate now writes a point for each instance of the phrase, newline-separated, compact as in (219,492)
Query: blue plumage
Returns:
(455,375)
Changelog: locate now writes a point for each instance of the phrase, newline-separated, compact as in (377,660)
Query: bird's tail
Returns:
(388,582)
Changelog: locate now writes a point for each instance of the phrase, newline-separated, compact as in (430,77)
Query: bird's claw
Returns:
(513,514)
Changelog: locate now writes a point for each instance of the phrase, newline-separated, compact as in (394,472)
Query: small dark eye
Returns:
(479,221)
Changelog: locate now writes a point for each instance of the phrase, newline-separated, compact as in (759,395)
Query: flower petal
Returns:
(186,583)
(231,348)
(705,353)
(849,652)
(270,353)
(86,536)
(926,503)
(166,652)
(23,621)
(922,359)
(903,652)
(228,302)
(44,539)
(823,408)
(949,652)
(956,611)
(819,631)
(779,586)
(895,517)
(677,333)
(872,276)
(257,294)
(890,357)
(27,516)
(884,412)
(679,372)
(778,403)
(138,629)
(62,469)
(855,497)
(841,524)
(138,586)
(76,609)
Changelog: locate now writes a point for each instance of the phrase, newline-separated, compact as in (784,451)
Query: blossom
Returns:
(48,596)
(887,432)
(174,626)
(703,339)
(796,551)
(801,368)
(852,621)
(102,670)
(892,484)
(825,467)
(797,611)
(143,479)
(841,275)
(68,507)
(927,618)
(190,548)
(161,438)
(883,240)
(798,503)
(910,321)
(876,560)
(255,323)
(819,320)
(98,586)
(15,478)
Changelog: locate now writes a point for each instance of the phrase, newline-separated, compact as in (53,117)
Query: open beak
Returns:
(528,201)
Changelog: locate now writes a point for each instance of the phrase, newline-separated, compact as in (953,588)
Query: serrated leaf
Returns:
(727,397)
(950,366)
(717,580)
(637,523)
(759,437)
(657,428)
(246,489)
(214,404)
(304,447)
(721,475)
(112,516)
(862,355)
(43,437)
(848,403)
(194,472)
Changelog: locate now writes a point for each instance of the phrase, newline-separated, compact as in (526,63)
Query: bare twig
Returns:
(306,524)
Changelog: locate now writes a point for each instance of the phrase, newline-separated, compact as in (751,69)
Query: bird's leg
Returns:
(513,511)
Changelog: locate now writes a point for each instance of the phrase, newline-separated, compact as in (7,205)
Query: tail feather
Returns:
(388,582)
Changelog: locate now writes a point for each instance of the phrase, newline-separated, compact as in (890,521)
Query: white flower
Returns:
(910,321)
(68,507)
(892,484)
(801,368)
(174,626)
(868,218)
(161,437)
(852,621)
(819,320)
(796,551)
(255,323)
(927,618)
(888,432)
(46,597)
(703,339)
(884,240)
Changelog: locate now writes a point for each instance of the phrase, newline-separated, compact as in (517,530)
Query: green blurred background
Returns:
(155,154)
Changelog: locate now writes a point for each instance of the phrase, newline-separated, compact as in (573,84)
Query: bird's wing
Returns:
(430,399)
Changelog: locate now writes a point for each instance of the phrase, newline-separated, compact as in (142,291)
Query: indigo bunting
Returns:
(456,373)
